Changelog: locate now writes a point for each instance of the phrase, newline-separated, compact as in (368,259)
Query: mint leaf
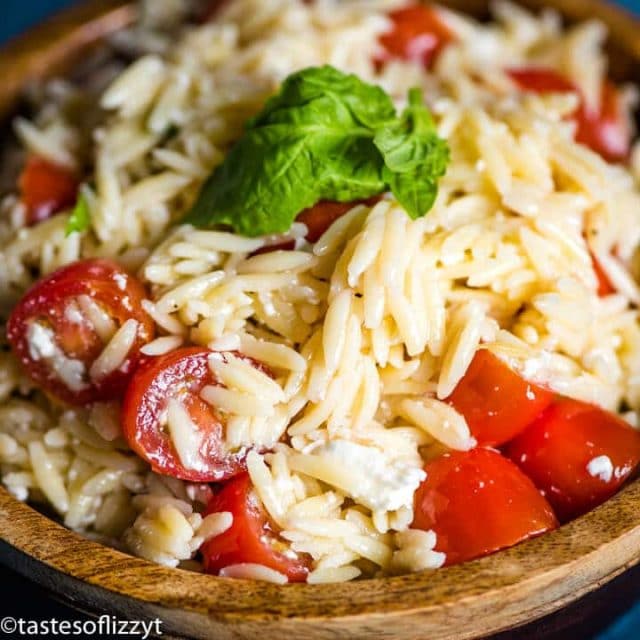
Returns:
(325,136)
(80,217)
(414,157)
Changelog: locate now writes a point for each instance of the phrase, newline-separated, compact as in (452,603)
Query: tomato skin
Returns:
(180,374)
(418,35)
(605,288)
(46,189)
(607,131)
(556,449)
(541,80)
(107,284)
(323,214)
(247,540)
(496,402)
(478,502)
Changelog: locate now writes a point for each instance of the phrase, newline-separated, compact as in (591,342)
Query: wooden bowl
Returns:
(474,600)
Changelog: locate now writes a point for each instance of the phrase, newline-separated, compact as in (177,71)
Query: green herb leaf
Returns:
(325,136)
(414,157)
(80,218)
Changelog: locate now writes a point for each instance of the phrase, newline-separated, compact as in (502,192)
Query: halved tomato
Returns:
(577,454)
(605,288)
(607,131)
(64,322)
(418,34)
(46,189)
(322,215)
(252,538)
(496,402)
(166,390)
(478,502)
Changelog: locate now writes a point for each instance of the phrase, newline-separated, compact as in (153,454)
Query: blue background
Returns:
(17,15)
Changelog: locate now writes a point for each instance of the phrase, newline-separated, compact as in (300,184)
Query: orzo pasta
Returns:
(313,291)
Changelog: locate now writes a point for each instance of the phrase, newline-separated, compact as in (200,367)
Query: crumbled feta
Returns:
(375,481)
(601,467)
(42,346)
(73,314)
(121,281)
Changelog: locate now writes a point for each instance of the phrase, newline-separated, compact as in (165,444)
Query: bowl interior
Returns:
(474,599)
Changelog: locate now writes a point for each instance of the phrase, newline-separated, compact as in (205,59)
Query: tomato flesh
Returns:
(317,220)
(607,131)
(47,329)
(496,402)
(478,502)
(577,454)
(541,80)
(251,538)
(46,189)
(180,375)
(323,214)
(605,288)
(418,34)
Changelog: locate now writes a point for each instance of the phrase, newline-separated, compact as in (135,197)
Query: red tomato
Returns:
(56,341)
(495,401)
(289,245)
(541,80)
(578,455)
(180,375)
(608,131)
(322,215)
(605,288)
(418,34)
(318,219)
(251,538)
(46,189)
(478,502)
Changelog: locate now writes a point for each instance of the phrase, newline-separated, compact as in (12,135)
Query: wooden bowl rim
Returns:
(512,587)
(532,566)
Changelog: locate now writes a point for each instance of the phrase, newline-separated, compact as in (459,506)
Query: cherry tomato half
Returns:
(46,189)
(478,502)
(179,376)
(318,219)
(322,215)
(577,454)
(607,131)
(605,288)
(251,538)
(496,402)
(541,80)
(57,339)
(418,34)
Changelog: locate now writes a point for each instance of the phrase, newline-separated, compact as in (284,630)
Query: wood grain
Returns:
(54,46)
(457,603)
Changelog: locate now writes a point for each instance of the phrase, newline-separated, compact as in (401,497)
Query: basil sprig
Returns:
(325,136)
